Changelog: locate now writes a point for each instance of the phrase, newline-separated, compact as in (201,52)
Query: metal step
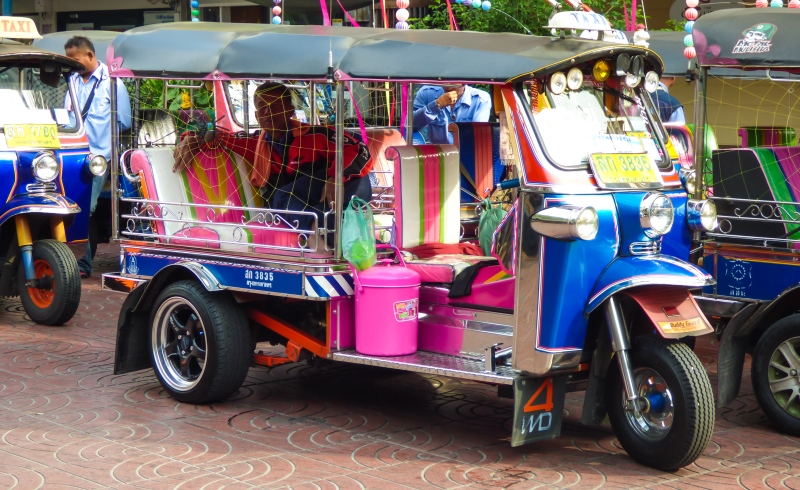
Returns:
(432,363)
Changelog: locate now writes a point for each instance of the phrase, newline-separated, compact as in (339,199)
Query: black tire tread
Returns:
(231,337)
(776,334)
(69,286)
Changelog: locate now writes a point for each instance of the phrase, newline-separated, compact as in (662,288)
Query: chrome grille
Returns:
(40,187)
(646,248)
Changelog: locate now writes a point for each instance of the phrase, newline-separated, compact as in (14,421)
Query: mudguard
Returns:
(133,333)
(39,203)
(651,270)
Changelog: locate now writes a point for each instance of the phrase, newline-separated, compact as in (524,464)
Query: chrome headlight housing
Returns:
(567,222)
(45,167)
(688,179)
(558,83)
(656,214)
(96,164)
(651,81)
(701,215)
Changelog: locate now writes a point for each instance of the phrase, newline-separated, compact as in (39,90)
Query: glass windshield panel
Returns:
(25,99)
(593,119)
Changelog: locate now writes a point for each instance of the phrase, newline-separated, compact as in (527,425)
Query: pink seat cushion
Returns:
(194,235)
(443,269)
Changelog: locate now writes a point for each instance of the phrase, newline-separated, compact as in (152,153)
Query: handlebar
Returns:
(509,184)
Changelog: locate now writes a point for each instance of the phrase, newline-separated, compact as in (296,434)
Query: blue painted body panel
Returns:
(228,274)
(752,279)
(73,188)
(570,269)
(678,242)
(627,272)
(628,204)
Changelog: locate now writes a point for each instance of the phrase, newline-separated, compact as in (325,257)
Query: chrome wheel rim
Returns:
(179,344)
(655,420)
(783,375)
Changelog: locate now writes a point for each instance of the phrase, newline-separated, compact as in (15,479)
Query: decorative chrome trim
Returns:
(646,248)
(41,187)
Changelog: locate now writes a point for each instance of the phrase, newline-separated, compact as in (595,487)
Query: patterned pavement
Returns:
(67,422)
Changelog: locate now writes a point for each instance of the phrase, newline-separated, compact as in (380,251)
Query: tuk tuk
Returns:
(748,76)
(574,295)
(46,176)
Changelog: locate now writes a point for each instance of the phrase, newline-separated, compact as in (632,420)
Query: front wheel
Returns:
(776,374)
(55,297)
(677,419)
(200,343)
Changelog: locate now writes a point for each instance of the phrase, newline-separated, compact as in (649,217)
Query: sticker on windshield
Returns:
(617,143)
(757,39)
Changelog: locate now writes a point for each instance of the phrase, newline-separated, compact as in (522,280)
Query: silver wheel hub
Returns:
(782,374)
(179,344)
(657,410)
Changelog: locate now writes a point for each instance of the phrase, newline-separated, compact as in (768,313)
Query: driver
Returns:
(293,163)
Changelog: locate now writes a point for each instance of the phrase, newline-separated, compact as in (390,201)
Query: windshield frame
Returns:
(66,76)
(655,123)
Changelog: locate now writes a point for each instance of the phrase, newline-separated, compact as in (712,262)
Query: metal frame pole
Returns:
(7,8)
(699,136)
(113,164)
(409,122)
(339,185)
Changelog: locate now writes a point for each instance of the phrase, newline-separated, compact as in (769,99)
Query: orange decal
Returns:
(548,404)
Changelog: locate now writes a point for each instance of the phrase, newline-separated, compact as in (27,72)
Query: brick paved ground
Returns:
(67,422)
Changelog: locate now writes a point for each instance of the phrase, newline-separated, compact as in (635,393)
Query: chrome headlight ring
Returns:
(656,214)
(701,215)
(45,167)
(96,164)
(567,222)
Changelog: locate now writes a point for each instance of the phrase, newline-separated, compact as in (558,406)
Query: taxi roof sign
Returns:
(579,21)
(18,28)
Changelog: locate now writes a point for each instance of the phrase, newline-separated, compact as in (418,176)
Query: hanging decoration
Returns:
(402,14)
(277,18)
(691,15)
(195,10)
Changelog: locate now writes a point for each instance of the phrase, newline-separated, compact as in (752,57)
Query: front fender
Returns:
(652,270)
(39,203)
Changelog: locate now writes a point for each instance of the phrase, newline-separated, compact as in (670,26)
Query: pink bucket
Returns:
(387,309)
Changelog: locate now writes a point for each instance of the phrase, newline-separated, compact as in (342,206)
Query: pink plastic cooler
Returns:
(387,308)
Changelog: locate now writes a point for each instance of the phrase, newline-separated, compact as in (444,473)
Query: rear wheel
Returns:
(55,297)
(677,419)
(776,374)
(200,343)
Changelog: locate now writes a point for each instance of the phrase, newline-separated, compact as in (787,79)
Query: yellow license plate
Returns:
(625,171)
(32,136)
(683,326)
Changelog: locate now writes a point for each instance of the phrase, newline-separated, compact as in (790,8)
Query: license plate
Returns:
(625,171)
(32,136)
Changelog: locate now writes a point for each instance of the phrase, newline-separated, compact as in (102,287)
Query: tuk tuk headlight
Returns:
(97,164)
(688,179)
(601,70)
(632,80)
(558,83)
(656,214)
(45,167)
(651,81)
(701,215)
(566,222)
(574,79)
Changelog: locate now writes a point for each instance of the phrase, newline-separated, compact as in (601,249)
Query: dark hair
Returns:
(79,42)
(274,88)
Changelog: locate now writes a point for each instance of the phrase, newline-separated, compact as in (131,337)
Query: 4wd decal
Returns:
(757,39)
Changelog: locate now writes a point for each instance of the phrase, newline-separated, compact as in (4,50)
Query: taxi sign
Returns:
(39,136)
(18,28)
(579,21)
(625,171)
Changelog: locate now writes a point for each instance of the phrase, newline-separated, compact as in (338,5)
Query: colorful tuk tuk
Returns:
(46,176)
(749,67)
(576,294)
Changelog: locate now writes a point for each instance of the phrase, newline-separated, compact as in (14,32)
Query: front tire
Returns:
(57,271)
(679,422)
(776,374)
(199,343)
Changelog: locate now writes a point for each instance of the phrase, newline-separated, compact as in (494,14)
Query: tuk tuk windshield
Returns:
(25,99)
(594,119)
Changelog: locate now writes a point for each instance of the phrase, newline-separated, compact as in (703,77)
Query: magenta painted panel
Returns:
(343,323)
(436,335)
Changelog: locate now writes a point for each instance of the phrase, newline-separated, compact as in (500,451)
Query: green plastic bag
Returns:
(490,219)
(358,235)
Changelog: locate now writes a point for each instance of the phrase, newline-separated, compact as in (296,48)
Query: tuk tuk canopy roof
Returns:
(749,39)
(217,51)
(14,52)
(55,41)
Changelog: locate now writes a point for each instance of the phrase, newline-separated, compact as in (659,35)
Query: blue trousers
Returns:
(85,262)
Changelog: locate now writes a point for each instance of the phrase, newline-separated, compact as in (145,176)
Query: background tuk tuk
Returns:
(749,66)
(46,177)
(576,294)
